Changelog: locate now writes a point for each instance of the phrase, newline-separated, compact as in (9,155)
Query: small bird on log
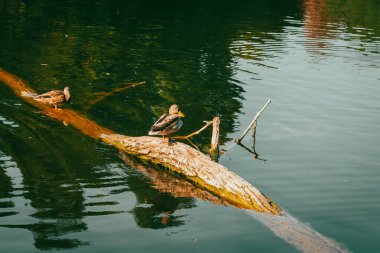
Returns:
(54,97)
(168,123)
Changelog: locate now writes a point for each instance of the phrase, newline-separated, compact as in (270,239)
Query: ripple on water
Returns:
(10,123)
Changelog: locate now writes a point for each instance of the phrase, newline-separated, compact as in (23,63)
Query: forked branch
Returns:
(208,123)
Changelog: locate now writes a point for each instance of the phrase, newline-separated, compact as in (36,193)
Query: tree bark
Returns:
(215,134)
(180,158)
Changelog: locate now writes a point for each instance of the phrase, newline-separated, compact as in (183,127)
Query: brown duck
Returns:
(168,123)
(54,97)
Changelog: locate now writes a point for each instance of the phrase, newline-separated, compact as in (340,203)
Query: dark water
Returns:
(319,62)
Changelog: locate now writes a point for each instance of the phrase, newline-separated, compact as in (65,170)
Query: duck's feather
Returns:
(53,97)
(53,93)
(166,124)
(165,121)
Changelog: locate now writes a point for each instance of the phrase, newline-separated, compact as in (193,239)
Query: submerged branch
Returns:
(103,95)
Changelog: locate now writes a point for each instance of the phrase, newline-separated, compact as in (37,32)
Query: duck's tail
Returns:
(151,132)
(29,94)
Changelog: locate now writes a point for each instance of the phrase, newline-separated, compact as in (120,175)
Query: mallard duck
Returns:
(54,97)
(168,123)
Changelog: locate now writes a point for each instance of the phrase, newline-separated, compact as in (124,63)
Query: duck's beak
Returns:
(181,114)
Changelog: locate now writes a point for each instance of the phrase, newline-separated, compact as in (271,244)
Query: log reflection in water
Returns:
(169,193)
(166,182)
(298,234)
(284,226)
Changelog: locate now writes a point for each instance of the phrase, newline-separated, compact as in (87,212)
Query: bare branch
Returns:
(208,123)
(253,121)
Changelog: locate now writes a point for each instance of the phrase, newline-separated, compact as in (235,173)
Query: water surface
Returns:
(317,60)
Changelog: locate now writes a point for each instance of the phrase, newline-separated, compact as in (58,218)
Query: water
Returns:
(317,60)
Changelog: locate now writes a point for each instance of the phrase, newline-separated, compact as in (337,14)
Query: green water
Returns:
(319,62)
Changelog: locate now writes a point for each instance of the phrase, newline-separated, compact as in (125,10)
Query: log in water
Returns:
(180,158)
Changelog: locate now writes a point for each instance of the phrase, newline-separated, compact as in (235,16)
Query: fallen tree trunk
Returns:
(194,165)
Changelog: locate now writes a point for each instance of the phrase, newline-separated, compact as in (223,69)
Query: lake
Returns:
(316,152)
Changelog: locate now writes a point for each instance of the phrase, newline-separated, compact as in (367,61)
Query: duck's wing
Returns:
(165,121)
(50,94)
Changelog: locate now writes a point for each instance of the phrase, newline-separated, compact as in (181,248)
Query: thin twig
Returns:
(192,143)
(253,121)
(208,123)
(103,95)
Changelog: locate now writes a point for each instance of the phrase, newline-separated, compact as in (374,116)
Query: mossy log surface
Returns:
(181,158)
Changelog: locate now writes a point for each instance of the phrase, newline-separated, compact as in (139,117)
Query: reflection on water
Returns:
(211,58)
(45,232)
(56,207)
(301,236)
(316,23)
(155,207)
(158,193)
(57,197)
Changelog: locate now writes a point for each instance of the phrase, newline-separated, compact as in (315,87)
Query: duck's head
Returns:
(174,109)
(67,93)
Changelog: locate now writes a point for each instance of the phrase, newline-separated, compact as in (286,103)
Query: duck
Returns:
(54,97)
(168,124)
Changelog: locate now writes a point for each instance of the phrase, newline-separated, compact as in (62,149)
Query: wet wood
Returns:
(180,158)
(215,134)
(254,126)
(214,149)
